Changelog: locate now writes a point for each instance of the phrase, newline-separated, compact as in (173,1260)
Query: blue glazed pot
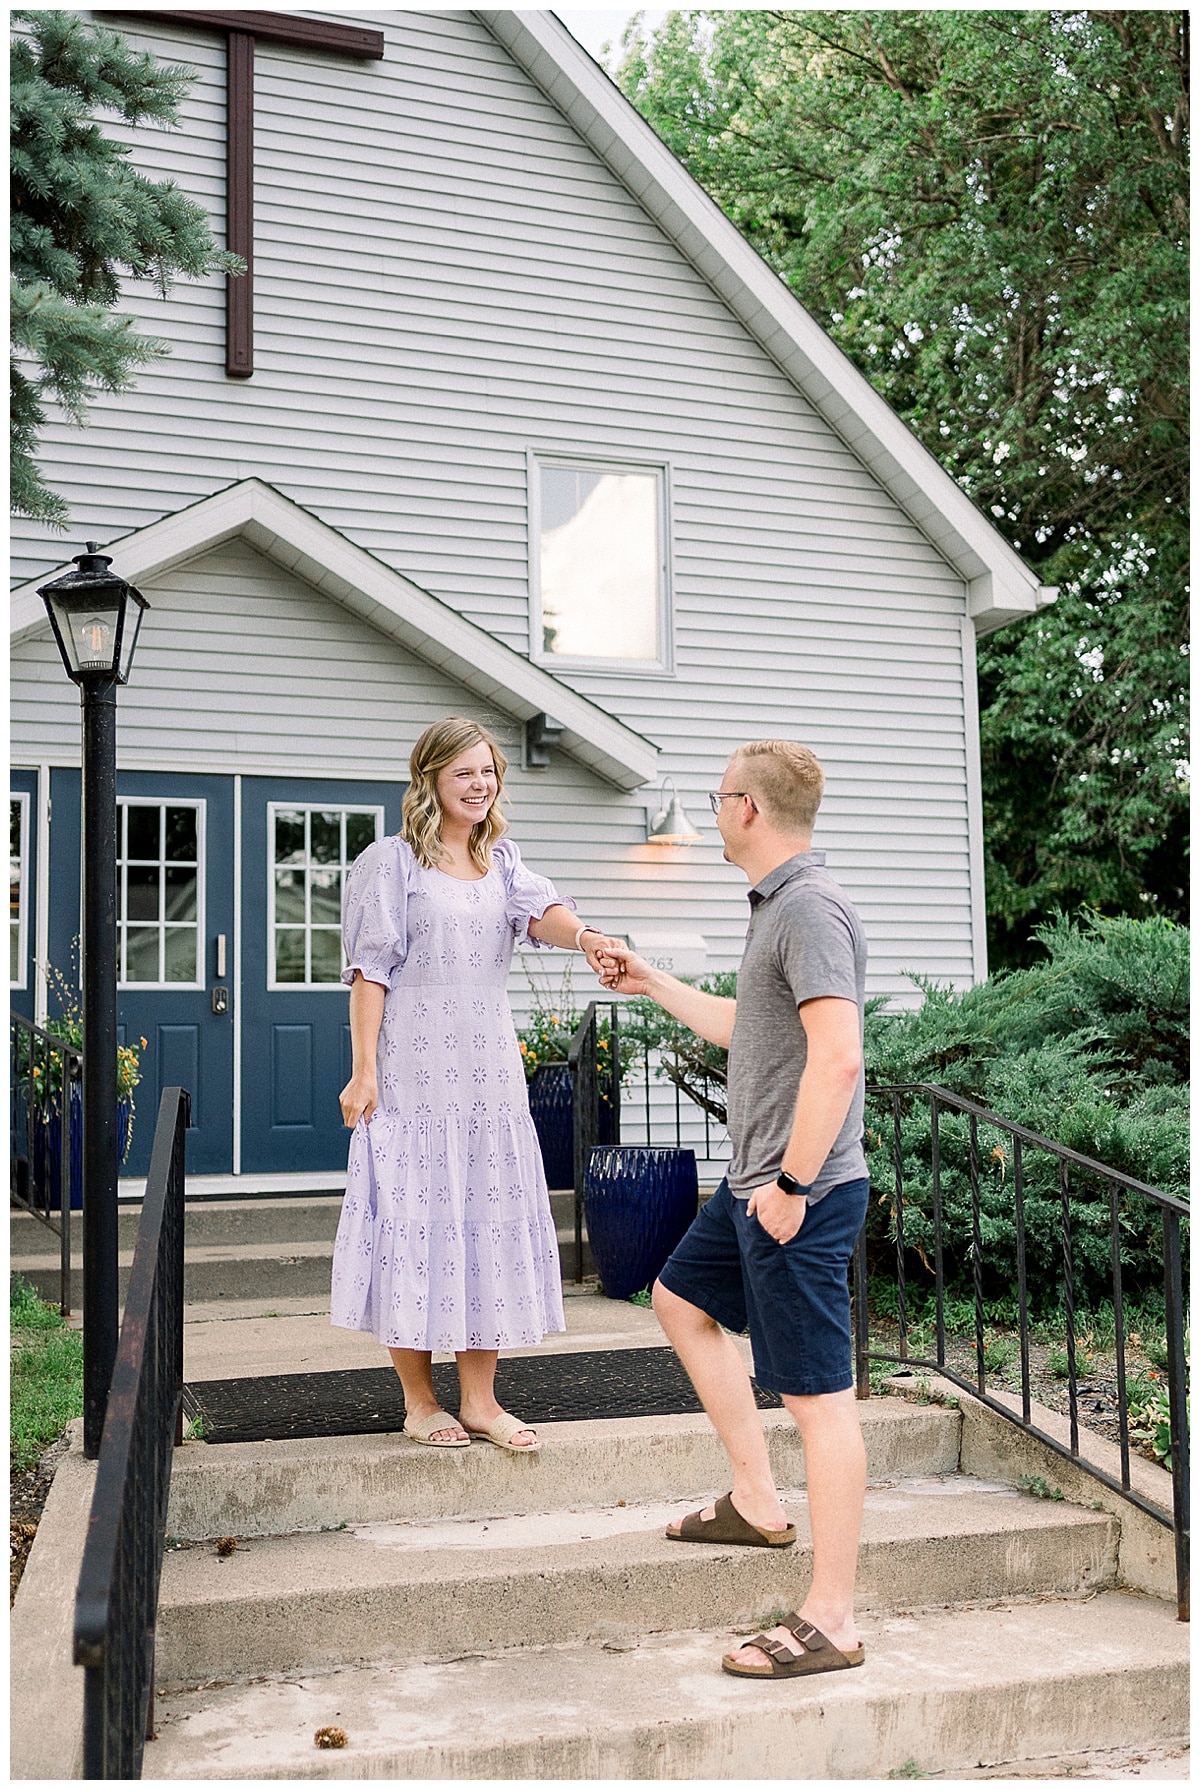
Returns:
(48,1150)
(639,1201)
(551,1102)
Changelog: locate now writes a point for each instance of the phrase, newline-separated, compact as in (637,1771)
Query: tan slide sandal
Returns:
(502,1431)
(426,1428)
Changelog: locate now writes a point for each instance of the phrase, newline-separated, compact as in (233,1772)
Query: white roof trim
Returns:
(1000,586)
(298,541)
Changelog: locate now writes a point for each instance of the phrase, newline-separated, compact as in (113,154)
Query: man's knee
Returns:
(675,1313)
(823,1410)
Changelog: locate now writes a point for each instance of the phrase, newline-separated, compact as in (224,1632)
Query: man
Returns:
(771,1249)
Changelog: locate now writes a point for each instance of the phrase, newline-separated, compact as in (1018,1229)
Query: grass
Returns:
(46,1379)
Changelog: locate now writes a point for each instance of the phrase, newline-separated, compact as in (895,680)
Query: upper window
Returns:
(160,894)
(600,564)
(18,888)
(311,847)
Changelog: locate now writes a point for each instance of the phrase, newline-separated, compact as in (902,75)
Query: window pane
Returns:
(181,835)
(141,954)
(143,840)
(181,953)
(289,954)
(289,837)
(326,838)
(14,952)
(326,897)
(289,895)
(14,831)
(326,955)
(142,892)
(181,894)
(600,570)
(360,832)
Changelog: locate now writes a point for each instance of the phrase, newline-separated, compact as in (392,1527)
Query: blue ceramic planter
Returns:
(551,1102)
(638,1201)
(48,1149)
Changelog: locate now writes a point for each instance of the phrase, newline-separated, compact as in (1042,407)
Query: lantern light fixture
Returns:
(670,826)
(96,616)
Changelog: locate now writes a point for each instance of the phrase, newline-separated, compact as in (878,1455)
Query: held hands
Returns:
(780,1214)
(598,950)
(621,969)
(359,1098)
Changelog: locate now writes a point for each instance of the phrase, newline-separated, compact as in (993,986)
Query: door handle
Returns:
(220,957)
(220,1000)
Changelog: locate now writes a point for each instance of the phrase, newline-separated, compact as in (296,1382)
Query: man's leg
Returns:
(715,1368)
(835,1462)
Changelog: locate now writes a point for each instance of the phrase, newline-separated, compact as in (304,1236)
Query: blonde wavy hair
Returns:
(421,825)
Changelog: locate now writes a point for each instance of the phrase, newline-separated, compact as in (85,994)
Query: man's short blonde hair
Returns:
(785,780)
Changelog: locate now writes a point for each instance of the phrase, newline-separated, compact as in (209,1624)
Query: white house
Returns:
(512,422)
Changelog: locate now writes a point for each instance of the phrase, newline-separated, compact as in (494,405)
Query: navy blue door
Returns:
(22,889)
(175,913)
(298,838)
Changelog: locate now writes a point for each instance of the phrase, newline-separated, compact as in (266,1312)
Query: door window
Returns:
(310,848)
(160,894)
(18,889)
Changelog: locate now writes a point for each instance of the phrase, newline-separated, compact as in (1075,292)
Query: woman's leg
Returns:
(477,1383)
(420,1400)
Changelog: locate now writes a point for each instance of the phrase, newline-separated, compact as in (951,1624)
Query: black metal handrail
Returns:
(45,1116)
(1173,1211)
(583,1057)
(116,1603)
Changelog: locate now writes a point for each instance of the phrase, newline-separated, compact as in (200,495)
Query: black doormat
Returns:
(367,1401)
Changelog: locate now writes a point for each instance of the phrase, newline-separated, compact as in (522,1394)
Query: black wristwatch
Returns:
(788,1184)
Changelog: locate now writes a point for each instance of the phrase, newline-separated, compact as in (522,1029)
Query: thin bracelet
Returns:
(581,932)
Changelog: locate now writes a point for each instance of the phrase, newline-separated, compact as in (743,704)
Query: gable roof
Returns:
(295,539)
(1000,586)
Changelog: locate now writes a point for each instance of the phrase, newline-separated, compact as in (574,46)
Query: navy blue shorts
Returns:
(793,1297)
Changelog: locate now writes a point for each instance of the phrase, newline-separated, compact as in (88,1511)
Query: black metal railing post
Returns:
(117,1598)
(1180,1422)
(582,1056)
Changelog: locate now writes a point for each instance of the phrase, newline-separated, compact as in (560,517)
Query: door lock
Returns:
(220,1000)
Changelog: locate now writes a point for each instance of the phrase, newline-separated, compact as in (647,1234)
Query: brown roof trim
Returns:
(280,28)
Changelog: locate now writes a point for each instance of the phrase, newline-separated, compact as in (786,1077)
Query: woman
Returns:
(446,1239)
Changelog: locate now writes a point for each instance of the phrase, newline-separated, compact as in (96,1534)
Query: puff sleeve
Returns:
(375,912)
(529,895)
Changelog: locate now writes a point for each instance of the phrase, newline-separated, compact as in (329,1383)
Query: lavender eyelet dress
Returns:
(446,1239)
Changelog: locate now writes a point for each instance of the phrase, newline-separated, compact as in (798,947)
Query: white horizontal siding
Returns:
(447,276)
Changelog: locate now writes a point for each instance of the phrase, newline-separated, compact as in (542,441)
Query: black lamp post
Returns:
(96,617)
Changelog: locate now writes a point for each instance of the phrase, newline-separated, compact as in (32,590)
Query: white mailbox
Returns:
(679,953)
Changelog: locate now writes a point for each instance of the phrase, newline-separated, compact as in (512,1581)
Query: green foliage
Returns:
(988,211)
(81,218)
(46,1374)
(694,1065)
(1038,1487)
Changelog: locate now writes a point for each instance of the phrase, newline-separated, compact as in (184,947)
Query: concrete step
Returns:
(308,1218)
(274,1488)
(440,1588)
(949,1692)
(262,1271)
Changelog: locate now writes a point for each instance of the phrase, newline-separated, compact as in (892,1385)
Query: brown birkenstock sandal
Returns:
(729,1526)
(819,1655)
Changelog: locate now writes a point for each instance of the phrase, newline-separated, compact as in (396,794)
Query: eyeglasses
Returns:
(717,796)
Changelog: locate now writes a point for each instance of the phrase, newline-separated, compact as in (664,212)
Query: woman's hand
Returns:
(359,1098)
(621,969)
(598,949)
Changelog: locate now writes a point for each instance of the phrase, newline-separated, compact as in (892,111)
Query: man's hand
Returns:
(780,1214)
(597,948)
(622,970)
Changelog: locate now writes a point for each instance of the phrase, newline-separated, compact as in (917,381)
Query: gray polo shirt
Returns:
(804,941)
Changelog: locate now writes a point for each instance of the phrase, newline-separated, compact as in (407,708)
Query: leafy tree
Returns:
(988,212)
(81,218)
